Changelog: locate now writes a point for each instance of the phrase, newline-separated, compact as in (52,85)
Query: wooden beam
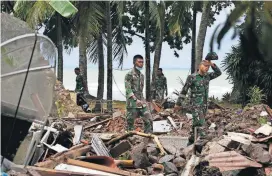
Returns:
(53,162)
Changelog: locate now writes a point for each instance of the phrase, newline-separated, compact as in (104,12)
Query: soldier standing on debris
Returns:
(160,86)
(136,105)
(81,86)
(199,85)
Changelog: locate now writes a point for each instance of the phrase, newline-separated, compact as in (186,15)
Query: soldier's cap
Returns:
(211,56)
(205,62)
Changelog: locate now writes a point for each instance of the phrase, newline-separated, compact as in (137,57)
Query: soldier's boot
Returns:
(147,118)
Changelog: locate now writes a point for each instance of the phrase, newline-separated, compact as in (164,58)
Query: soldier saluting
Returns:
(136,106)
(199,85)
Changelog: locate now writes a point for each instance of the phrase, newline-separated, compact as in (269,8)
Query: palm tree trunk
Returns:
(60,48)
(82,56)
(109,56)
(147,52)
(159,40)
(193,59)
(100,89)
(202,32)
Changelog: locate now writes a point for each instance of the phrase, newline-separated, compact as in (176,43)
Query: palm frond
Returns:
(179,8)
(40,11)
(119,49)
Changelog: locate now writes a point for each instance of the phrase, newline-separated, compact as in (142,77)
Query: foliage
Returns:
(256,95)
(60,108)
(226,97)
(262,120)
(248,64)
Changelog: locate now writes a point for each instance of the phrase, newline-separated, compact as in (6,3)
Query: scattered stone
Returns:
(152,151)
(257,152)
(169,168)
(132,140)
(179,162)
(157,168)
(166,158)
(212,147)
(171,149)
(120,148)
(139,156)
(153,159)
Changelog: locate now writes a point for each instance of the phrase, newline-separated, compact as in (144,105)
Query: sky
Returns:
(168,60)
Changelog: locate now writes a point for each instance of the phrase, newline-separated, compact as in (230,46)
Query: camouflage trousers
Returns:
(198,113)
(159,95)
(133,113)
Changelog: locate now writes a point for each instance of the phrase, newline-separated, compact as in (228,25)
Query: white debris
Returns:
(189,116)
(212,126)
(263,113)
(265,129)
(161,126)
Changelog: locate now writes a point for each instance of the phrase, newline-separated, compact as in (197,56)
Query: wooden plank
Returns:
(53,162)
(98,123)
(98,167)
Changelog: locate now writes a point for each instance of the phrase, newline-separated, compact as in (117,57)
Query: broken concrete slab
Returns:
(265,129)
(166,158)
(161,126)
(120,148)
(212,147)
(78,133)
(175,141)
(169,168)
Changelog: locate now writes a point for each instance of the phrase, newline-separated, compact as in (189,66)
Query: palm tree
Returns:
(159,40)
(35,13)
(202,31)
(109,55)
(193,58)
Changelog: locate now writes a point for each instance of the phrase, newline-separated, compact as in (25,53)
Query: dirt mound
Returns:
(63,104)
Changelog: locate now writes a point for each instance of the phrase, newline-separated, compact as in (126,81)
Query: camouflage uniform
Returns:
(160,87)
(199,86)
(79,83)
(134,83)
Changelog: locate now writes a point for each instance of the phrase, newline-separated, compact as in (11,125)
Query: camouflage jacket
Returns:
(199,86)
(134,84)
(160,83)
(79,83)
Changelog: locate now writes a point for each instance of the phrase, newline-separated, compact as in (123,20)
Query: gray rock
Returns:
(171,149)
(139,156)
(169,168)
(153,159)
(187,152)
(120,148)
(179,162)
(152,151)
(166,158)
(149,170)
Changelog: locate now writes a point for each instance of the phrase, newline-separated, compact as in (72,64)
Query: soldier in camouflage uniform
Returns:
(199,85)
(160,86)
(81,87)
(136,106)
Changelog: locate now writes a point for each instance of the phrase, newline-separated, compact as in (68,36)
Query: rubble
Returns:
(234,142)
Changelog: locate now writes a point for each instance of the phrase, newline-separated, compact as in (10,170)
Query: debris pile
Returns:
(63,102)
(237,143)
